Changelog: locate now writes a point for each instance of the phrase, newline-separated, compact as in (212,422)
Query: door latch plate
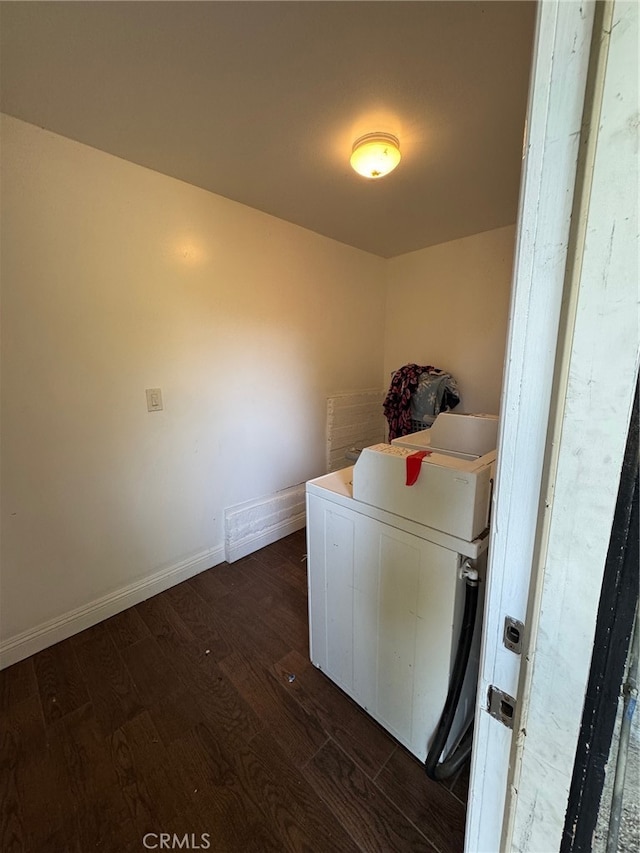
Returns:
(502,706)
(513,634)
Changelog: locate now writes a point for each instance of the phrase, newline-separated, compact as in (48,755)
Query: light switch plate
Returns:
(154,399)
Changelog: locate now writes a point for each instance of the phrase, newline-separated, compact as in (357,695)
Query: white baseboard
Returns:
(29,642)
(258,523)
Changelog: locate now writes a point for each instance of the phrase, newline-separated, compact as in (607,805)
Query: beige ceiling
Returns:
(261,101)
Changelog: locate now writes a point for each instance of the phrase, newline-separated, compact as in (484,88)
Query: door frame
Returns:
(554,303)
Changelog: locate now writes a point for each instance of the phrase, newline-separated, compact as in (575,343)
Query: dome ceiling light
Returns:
(375,155)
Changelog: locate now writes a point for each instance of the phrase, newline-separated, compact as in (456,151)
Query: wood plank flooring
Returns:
(180,716)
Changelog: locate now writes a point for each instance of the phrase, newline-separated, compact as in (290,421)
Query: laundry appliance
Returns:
(386,566)
(467,436)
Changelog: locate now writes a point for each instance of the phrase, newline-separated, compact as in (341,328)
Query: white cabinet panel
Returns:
(384,609)
(339,568)
(331,565)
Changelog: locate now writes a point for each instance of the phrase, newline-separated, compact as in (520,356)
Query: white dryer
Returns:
(385,589)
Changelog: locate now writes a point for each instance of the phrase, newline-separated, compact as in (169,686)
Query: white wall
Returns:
(116,279)
(448,306)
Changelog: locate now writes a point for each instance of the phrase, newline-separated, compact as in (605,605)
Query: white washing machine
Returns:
(385,591)
(467,436)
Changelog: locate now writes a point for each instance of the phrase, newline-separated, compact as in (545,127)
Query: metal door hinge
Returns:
(513,634)
(502,706)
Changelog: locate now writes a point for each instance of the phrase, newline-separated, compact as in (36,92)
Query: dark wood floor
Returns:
(180,716)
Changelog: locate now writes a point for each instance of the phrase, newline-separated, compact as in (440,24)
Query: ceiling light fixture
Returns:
(375,155)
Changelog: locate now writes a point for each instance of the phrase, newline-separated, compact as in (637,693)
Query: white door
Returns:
(572,358)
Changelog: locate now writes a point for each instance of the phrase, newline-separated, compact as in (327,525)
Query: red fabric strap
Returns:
(414,465)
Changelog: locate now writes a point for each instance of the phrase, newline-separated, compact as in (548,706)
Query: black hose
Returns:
(435,768)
